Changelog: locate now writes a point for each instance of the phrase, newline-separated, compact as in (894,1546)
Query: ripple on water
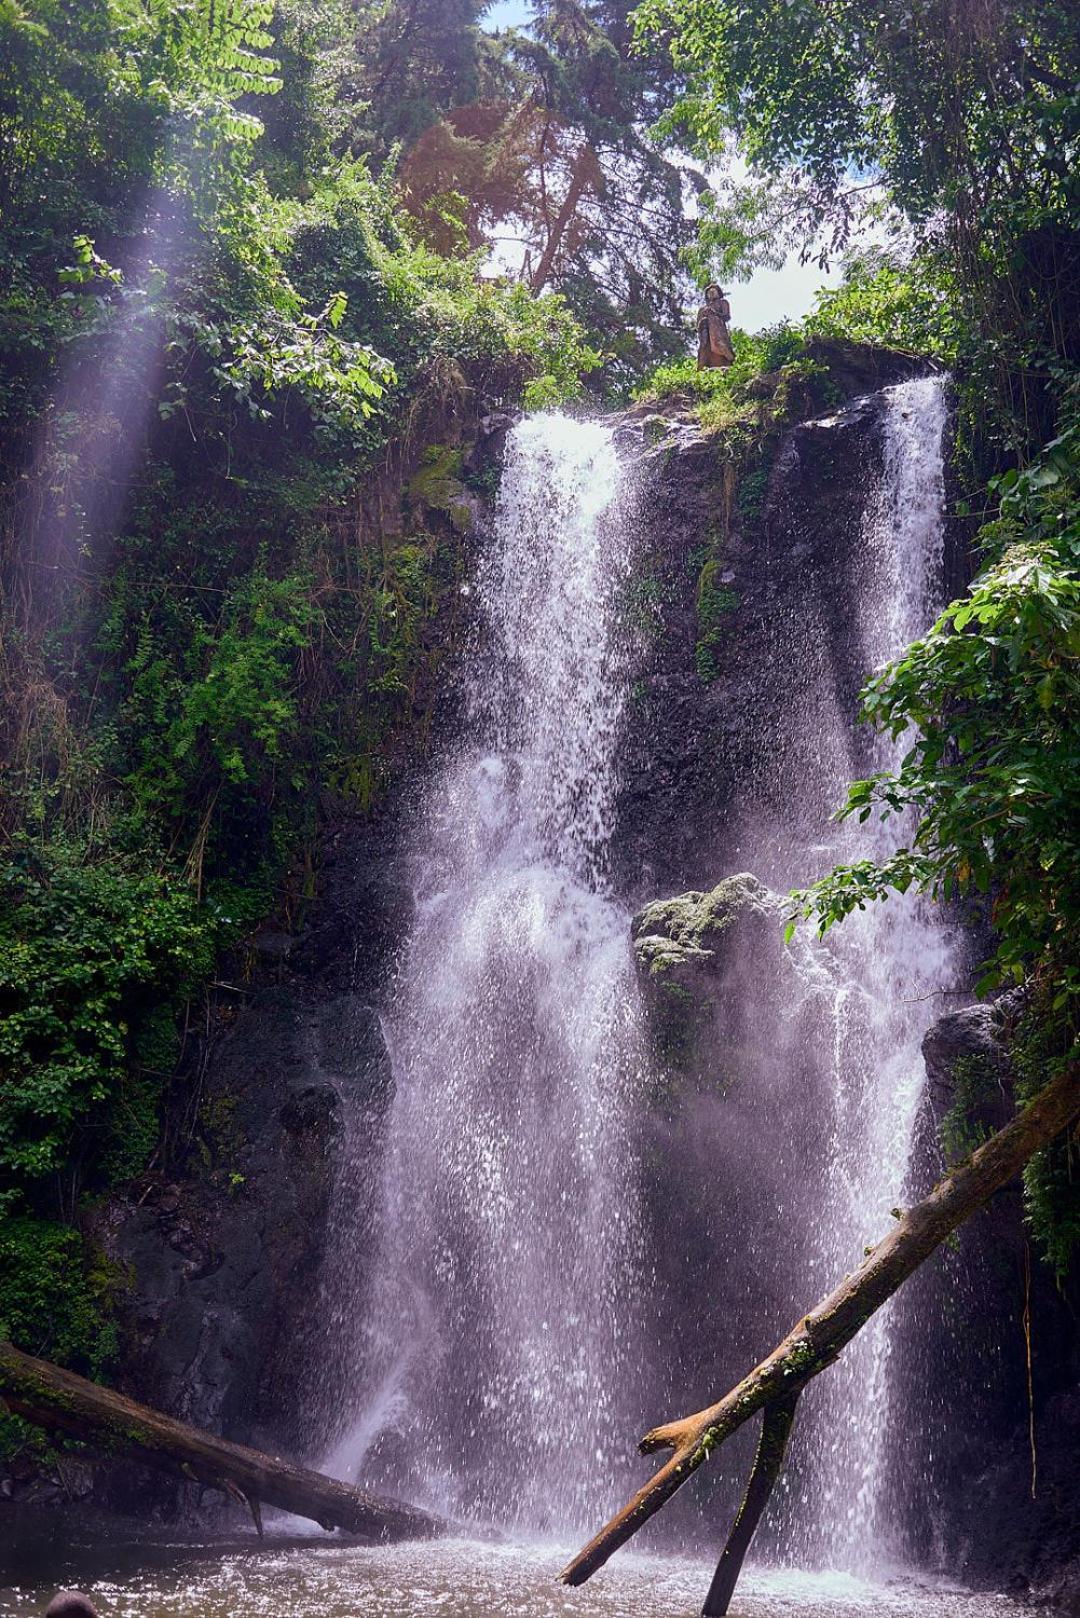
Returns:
(466,1579)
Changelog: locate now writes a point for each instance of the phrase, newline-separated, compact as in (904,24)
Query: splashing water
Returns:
(455,1579)
(501,1320)
(890,967)
(501,1324)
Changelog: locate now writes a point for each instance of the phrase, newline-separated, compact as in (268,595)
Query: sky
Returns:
(506,14)
(768,296)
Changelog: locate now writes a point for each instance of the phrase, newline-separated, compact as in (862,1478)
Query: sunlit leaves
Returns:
(820,118)
(89,267)
(991,696)
(218,51)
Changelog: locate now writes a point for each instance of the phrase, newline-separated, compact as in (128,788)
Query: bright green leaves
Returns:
(216,54)
(962,142)
(991,698)
(89,267)
(85,951)
(257,360)
(211,711)
(883,298)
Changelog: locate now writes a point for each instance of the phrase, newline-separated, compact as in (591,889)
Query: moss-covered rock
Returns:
(438,486)
(688,950)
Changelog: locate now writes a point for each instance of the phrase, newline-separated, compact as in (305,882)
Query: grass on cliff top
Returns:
(721,397)
(778,346)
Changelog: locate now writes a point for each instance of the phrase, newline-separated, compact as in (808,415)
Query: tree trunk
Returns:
(584,172)
(775,1430)
(822,1334)
(62,1401)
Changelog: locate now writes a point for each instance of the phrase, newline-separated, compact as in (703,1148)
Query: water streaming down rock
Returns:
(889,969)
(795,1076)
(500,1325)
(499,1331)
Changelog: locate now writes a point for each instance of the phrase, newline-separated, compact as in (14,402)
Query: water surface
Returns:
(466,1579)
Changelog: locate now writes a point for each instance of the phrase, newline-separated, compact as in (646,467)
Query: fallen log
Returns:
(64,1402)
(823,1333)
(776,1427)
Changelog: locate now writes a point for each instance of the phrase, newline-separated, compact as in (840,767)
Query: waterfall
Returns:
(888,969)
(788,1145)
(514,1302)
(500,1325)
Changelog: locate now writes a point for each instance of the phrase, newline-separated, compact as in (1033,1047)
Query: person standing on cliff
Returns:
(714,339)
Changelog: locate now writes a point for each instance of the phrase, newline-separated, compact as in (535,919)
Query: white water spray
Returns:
(891,966)
(501,1323)
(501,1318)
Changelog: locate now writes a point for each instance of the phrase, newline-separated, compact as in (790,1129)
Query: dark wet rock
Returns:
(312,1112)
(856,368)
(740,616)
(272,945)
(963,1352)
(703,757)
(222,1268)
(221,1260)
(740,622)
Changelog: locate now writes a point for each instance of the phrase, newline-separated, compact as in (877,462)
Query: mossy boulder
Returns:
(437,486)
(692,953)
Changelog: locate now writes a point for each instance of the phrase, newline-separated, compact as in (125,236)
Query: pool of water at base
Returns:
(459,1578)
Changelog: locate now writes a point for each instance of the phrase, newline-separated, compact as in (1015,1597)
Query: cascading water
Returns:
(888,970)
(500,1325)
(499,1364)
(788,1143)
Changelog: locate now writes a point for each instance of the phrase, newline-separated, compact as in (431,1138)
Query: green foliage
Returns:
(210,706)
(962,138)
(990,702)
(882,299)
(216,272)
(991,697)
(212,323)
(1044,1040)
(770,350)
(973,1083)
(412,63)
(88,954)
(403,589)
(538,139)
(727,400)
(715,604)
(55,1295)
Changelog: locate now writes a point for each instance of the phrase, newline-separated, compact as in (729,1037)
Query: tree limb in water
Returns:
(775,1430)
(822,1334)
(62,1401)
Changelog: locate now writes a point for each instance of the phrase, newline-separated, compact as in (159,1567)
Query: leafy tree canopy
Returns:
(964,119)
(553,166)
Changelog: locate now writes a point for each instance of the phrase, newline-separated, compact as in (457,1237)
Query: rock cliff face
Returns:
(733,562)
(1006,1507)
(747,562)
(744,609)
(987,1491)
(219,1258)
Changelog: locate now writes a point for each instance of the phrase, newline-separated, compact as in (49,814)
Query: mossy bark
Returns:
(826,1330)
(61,1401)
